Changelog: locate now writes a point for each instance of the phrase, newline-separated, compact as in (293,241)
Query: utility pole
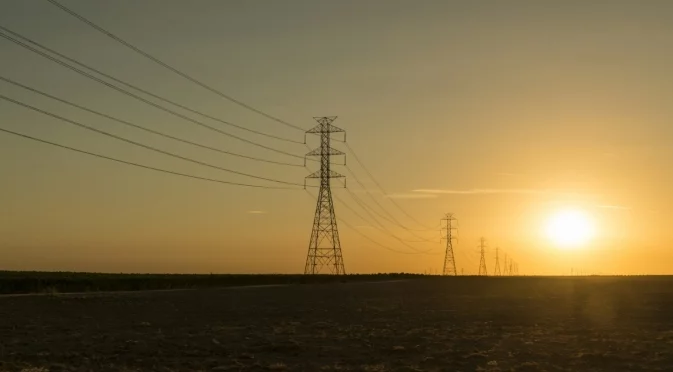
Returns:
(497,272)
(449,259)
(482,260)
(324,249)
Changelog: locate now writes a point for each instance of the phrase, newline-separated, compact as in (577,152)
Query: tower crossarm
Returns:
(319,152)
(332,174)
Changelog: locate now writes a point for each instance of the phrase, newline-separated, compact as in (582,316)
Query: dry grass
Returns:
(446,324)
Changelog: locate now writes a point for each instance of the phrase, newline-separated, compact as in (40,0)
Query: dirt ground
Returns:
(433,324)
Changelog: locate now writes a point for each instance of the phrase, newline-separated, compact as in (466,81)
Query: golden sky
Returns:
(501,112)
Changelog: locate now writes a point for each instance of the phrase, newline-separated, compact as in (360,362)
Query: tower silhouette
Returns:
(449,259)
(497,272)
(482,260)
(324,249)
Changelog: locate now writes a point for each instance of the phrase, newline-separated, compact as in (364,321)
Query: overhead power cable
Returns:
(142,145)
(381,188)
(165,65)
(390,217)
(341,220)
(112,86)
(383,230)
(360,203)
(140,127)
(142,165)
(135,87)
(367,208)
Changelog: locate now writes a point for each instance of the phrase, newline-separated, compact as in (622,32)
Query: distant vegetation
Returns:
(18,282)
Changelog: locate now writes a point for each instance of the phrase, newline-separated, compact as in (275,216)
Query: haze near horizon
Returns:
(544,127)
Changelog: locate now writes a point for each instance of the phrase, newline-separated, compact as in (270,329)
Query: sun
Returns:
(570,228)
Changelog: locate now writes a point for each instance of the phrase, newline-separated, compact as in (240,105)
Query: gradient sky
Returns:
(505,110)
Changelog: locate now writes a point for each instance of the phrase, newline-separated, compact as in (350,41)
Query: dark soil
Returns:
(434,324)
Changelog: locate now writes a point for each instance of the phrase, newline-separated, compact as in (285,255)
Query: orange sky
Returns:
(500,112)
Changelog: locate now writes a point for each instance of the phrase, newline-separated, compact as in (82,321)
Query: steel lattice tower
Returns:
(497,272)
(449,259)
(482,260)
(324,249)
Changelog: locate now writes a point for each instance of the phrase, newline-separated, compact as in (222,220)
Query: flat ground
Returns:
(433,324)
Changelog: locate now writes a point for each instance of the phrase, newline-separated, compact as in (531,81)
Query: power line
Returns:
(361,204)
(391,218)
(467,256)
(142,165)
(140,144)
(112,86)
(369,209)
(165,65)
(343,203)
(186,108)
(381,188)
(141,127)
(341,220)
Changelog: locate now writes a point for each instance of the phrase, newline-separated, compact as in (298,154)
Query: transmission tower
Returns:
(504,265)
(497,272)
(449,259)
(511,267)
(482,260)
(324,249)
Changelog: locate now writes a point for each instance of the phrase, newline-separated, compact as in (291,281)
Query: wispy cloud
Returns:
(411,196)
(508,174)
(487,191)
(362,191)
(482,191)
(615,207)
(257,212)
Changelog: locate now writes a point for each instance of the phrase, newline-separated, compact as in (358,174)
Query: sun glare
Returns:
(570,228)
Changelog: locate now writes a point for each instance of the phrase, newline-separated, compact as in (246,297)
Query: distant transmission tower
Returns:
(449,259)
(504,265)
(497,272)
(324,249)
(482,260)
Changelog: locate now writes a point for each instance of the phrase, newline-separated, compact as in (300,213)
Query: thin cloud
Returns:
(362,191)
(481,191)
(257,212)
(496,191)
(615,207)
(411,196)
(508,174)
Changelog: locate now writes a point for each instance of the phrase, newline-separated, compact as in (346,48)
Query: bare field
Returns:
(431,324)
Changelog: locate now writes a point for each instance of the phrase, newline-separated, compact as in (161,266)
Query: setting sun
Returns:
(570,228)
